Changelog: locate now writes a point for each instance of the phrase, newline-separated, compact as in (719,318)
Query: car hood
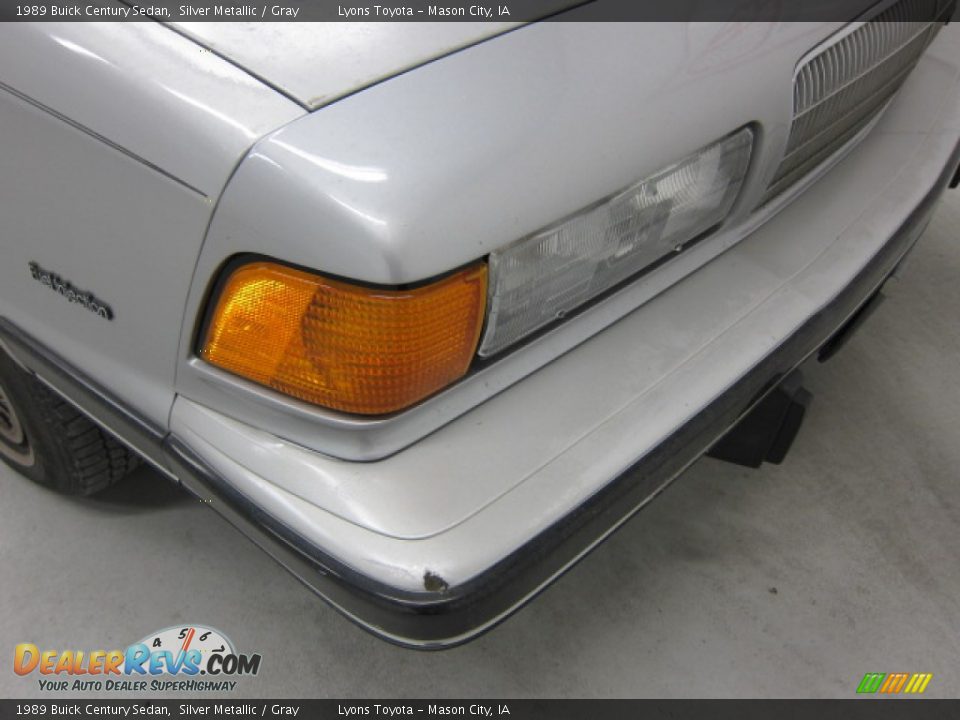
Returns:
(317,63)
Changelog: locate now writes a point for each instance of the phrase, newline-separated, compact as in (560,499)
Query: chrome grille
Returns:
(845,84)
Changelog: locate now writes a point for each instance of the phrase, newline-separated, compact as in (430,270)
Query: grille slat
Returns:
(818,118)
(843,87)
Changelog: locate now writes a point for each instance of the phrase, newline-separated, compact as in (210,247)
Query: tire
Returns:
(49,441)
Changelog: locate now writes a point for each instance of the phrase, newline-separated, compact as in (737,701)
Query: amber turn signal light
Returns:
(358,349)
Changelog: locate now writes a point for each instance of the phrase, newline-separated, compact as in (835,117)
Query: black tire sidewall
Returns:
(52,467)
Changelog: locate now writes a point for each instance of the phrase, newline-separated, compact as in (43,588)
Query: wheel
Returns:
(49,441)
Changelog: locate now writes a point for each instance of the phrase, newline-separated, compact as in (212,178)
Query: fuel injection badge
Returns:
(71,293)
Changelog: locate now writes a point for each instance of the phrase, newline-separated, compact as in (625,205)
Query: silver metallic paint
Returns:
(462,498)
(294,190)
(316,64)
(118,138)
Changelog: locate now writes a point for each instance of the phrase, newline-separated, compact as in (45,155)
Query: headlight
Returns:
(542,277)
(341,345)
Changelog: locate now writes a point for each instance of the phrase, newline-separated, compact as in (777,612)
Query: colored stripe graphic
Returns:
(871,682)
(918,683)
(894,683)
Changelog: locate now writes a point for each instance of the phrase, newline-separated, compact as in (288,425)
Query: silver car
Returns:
(429,310)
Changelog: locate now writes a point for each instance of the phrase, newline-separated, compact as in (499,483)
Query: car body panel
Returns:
(385,188)
(147,90)
(316,64)
(468,493)
(110,179)
(408,219)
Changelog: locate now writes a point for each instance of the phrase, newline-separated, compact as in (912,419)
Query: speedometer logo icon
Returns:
(180,639)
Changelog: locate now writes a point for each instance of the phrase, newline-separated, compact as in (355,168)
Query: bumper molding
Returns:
(447,616)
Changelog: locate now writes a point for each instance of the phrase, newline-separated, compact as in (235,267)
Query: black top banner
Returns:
(477,11)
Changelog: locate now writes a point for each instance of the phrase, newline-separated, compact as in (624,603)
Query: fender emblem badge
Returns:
(74,295)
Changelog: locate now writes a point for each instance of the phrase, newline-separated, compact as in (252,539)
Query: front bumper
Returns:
(443,613)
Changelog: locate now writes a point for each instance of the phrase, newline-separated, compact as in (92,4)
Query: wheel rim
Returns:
(14,442)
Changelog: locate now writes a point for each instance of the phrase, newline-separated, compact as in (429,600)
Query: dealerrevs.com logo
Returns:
(190,658)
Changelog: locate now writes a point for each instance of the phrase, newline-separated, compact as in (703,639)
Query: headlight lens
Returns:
(344,346)
(540,278)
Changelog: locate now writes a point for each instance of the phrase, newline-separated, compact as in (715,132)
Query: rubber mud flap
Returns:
(766,433)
